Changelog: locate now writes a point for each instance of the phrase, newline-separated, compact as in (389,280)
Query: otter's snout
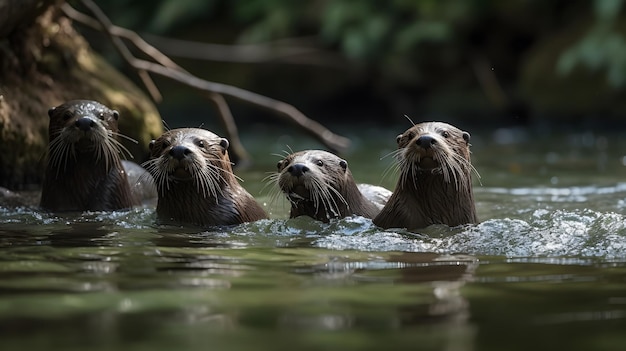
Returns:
(179,152)
(85,124)
(425,141)
(297,169)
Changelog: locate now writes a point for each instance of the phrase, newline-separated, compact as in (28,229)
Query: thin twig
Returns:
(286,111)
(489,81)
(226,116)
(229,125)
(278,51)
(121,48)
(121,32)
(237,149)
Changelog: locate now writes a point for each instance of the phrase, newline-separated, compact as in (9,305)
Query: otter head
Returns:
(317,180)
(435,149)
(435,185)
(190,156)
(83,131)
(82,121)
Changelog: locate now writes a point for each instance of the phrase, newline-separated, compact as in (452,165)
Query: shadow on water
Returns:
(278,300)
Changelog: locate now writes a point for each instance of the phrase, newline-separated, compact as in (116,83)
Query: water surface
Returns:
(545,269)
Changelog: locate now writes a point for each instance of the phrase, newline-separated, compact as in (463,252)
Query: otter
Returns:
(195,182)
(320,185)
(84,170)
(435,183)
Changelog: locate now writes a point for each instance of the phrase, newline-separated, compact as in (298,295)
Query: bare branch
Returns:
(286,111)
(281,51)
(122,33)
(121,48)
(228,122)
(167,68)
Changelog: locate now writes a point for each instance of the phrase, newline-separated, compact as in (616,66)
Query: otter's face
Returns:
(82,132)
(434,149)
(82,121)
(189,155)
(433,145)
(308,175)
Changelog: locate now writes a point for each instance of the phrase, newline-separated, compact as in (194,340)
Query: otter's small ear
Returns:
(116,115)
(224,143)
(51,111)
(343,164)
(466,137)
(398,138)
(151,145)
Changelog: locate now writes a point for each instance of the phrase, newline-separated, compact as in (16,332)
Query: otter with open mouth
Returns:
(320,185)
(195,182)
(435,183)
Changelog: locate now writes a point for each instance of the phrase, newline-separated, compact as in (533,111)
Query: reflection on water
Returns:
(545,269)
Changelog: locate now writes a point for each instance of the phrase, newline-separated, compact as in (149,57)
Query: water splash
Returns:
(137,218)
(540,233)
(584,233)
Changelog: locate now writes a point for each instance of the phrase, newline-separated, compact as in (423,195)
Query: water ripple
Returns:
(583,233)
(538,233)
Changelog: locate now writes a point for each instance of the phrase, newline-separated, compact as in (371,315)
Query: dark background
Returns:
(477,62)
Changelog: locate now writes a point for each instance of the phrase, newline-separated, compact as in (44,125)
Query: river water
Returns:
(545,269)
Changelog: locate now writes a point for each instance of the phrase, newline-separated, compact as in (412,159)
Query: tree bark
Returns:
(43,63)
(16,13)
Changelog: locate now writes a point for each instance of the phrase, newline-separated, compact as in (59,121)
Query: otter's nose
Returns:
(84,123)
(426,141)
(297,169)
(179,152)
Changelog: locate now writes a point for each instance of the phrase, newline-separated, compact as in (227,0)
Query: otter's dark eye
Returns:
(67,115)
(200,143)
(165,143)
(343,164)
(116,115)
(151,145)
(445,134)
(224,143)
(279,164)
(319,163)
(398,138)
(51,111)
(466,136)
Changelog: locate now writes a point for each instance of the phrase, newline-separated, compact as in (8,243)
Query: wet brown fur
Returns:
(326,190)
(84,170)
(435,183)
(200,187)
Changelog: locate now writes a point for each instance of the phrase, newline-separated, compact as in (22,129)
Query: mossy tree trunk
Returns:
(44,62)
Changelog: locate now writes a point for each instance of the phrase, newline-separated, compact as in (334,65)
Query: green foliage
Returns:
(398,36)
(365,30)
(266,20)
(370,31)
(171,13)
(603,48)
(158,16)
